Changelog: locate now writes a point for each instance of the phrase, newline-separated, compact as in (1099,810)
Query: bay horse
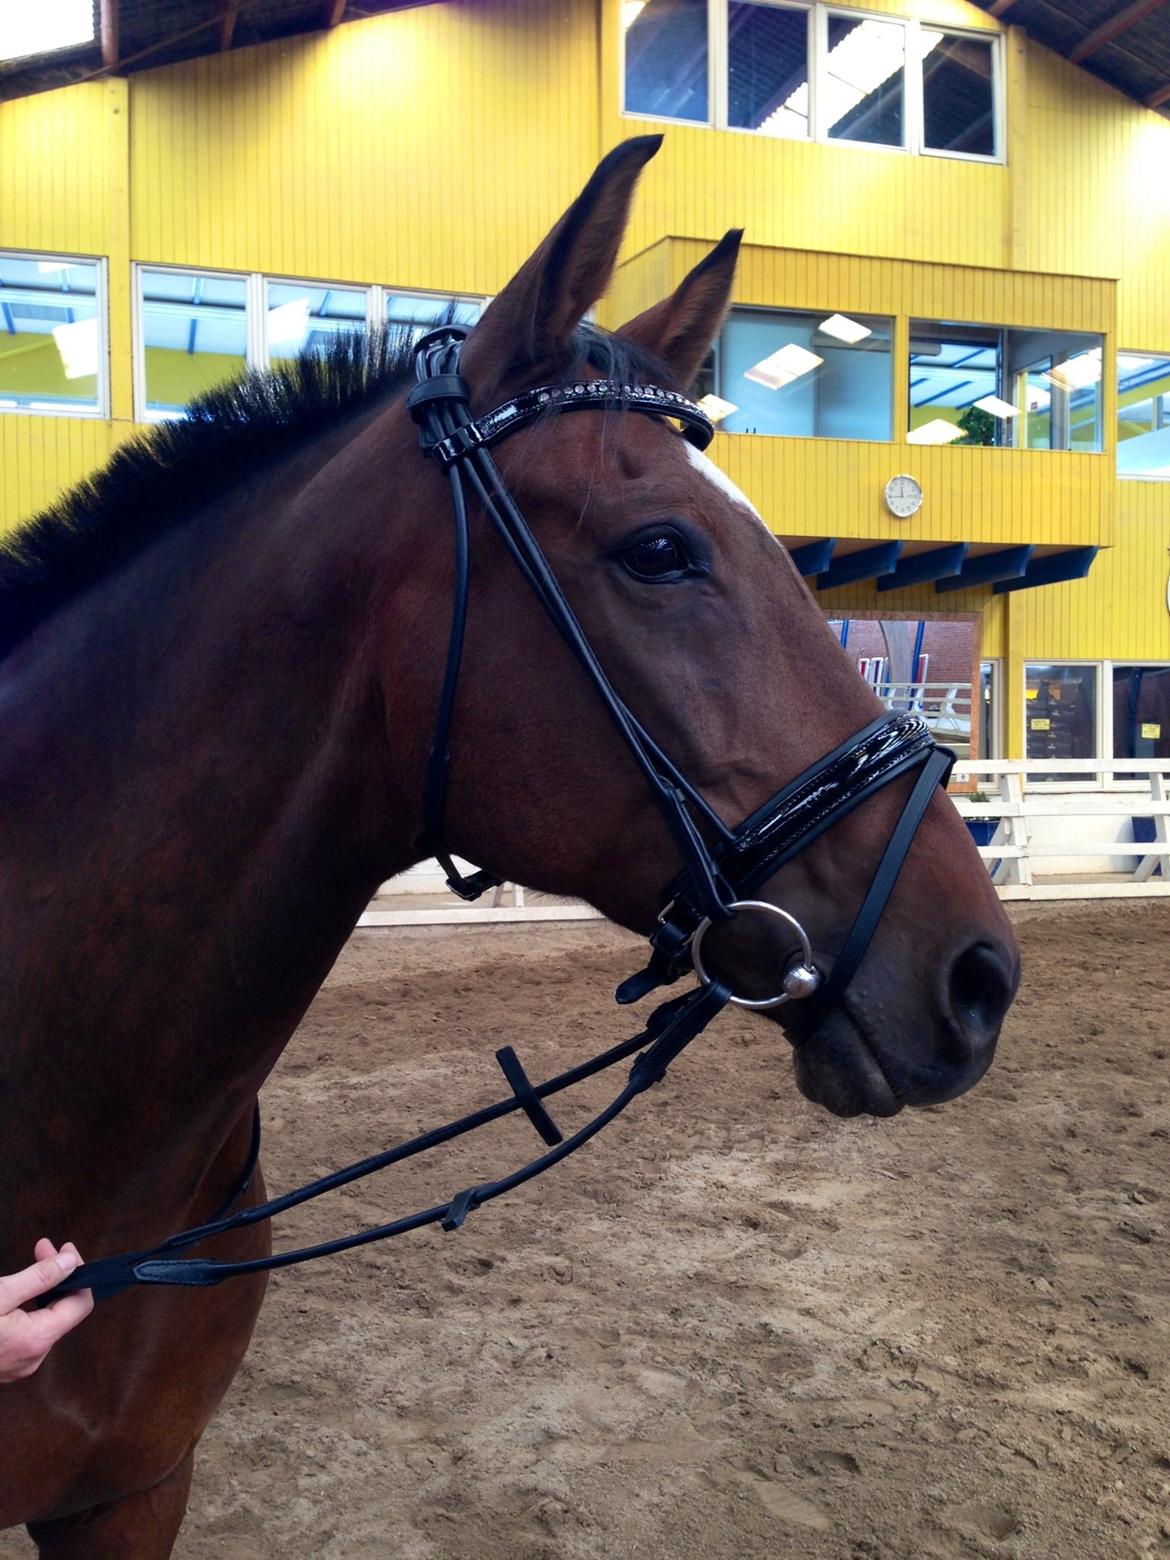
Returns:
(222,661)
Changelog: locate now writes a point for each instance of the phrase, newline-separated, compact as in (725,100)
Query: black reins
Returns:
(722,867)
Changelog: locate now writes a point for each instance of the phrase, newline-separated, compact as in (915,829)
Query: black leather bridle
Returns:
(722,867)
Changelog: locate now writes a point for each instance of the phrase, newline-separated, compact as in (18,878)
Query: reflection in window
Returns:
(958,95)
(50,335)
(1141,711)
(666,58)
(423,311)
(303,316)
(821,375)
(767,68)
(1060,711)
(194,335)
(1143,415)
(862,90)
(979,384)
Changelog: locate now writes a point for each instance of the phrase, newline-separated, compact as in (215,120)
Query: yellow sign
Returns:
(1040,724)
(1151,728)
(1033,693)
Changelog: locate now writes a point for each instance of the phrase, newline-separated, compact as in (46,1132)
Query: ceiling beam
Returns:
(227,23)
(334,11)
(1000,7)
(1156,99)
(1126,18)
(108,33)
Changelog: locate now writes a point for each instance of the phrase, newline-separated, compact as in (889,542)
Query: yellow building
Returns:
(947,367)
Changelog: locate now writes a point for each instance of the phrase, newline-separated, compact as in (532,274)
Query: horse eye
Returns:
(658,556)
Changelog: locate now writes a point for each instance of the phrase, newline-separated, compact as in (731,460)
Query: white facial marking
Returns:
(721,480)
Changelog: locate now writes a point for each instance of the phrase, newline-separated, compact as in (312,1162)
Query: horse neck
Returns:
(200,800)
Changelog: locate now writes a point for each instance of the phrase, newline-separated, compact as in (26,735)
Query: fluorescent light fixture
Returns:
(43,28)
(78,345)
(782,367)
(1077,373)
(717,408)
(997,406)
(8,405)
(288,324)
(859,64)
(53,265)
(937,432)
(1038,400)
(845,329)
(631,10)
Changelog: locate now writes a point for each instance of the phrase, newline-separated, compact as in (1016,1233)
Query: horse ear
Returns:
(533,317)
(681,328)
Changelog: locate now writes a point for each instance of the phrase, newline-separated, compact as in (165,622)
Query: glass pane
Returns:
(50,335)
(955,391)
(305,316)
(767,68)
(958,96)
(822,375)
(1061,713)
(666,58)
(425,310)
(1056,383)
(194,335)
(1141,712)
(1143,415)
(862,92)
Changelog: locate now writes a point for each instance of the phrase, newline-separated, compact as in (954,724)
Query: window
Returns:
(43,29)
(423,311)
(198,329)
(666,58)
(799,69)
(301,316)
(862,87)
(52,335)
(1141,711)
(822,375)
(767,68)
(1143,415)
(1060,712)
(194,335)
(958,93)
(1027,389)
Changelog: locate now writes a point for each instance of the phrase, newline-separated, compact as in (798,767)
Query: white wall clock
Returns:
(903,496)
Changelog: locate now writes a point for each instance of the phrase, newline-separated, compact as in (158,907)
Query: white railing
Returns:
(1049,843)
(945,707)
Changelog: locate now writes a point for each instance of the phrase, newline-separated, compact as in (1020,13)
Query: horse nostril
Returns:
(981,989)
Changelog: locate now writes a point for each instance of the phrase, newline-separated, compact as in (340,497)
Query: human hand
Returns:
(27,1336)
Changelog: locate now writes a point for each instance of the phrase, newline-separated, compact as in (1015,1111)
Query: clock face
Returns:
(903,496)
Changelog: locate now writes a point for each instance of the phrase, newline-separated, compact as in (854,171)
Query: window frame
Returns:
(818,12)
(1091,780)
(784,311)
(101,297)
(256,349)
(1132,476)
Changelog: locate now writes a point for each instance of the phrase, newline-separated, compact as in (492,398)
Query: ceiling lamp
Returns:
(1077,373)
(845,329)
(288,323)
(997,406)
(717,408)
(937,432)
(77,343)
(782,367)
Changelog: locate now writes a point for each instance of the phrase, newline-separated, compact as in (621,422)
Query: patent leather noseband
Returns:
(722,868)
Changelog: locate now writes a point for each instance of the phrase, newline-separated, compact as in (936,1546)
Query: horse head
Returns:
(709,637)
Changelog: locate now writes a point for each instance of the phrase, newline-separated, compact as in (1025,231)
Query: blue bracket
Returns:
(1073,564)
(1008,563)
(813,557)
(864,565)
(921,568)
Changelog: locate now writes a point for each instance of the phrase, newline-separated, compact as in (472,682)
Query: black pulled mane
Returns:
(164,474)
